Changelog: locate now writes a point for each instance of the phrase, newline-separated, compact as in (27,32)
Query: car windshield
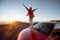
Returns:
(45,28)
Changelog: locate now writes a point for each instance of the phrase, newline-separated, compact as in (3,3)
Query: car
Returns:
(41,31)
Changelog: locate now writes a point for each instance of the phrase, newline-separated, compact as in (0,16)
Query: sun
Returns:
(12,21)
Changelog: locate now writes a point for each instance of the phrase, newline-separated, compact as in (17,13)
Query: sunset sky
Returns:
(14,10)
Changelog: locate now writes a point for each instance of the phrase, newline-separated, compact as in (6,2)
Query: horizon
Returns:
(14,21)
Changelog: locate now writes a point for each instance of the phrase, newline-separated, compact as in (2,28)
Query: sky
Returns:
(14,10)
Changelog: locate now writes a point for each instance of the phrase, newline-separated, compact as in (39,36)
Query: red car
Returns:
(41,31)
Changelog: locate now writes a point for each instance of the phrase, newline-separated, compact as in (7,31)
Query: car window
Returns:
(56,30)
(45,28)
(57,26)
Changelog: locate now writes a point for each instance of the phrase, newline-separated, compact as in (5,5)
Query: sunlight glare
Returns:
(12,21)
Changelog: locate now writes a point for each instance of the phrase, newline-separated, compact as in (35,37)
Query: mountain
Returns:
(10,31)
